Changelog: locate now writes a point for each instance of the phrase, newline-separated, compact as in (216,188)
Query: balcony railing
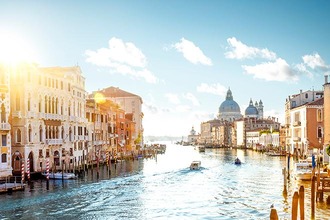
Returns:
(54,141)
(4,126)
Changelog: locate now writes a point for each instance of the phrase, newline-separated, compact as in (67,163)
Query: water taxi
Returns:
(195,165)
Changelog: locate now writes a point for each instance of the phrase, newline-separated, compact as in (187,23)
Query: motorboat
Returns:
(195,165)
(303,170)
(60,175)
(237,161)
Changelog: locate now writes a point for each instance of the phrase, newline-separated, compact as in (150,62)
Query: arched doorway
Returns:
(31,162)
(17,163)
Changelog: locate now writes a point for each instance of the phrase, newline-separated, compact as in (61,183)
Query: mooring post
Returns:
(313,198)
(273,214)
(302,202)
(294,211)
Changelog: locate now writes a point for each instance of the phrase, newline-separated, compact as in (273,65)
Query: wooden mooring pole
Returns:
(313,198)
(294,209)
(302,202)
(273,214)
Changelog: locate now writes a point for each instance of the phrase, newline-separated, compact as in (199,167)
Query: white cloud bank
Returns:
(122,57)
(278,70)
(238,50)
(191,52)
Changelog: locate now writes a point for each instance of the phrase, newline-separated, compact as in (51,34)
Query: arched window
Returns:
(30,133)
(18,136)
(62,134)
(39,105)
(3,113)
(18,102)
(40,133)
(319,132)
(4,158)
(319,115)
(46,104)
(29,103)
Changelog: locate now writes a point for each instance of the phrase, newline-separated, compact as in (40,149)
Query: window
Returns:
(3,140)
(3,113)
(18,136)
(18,102)
(4,158)
(319,132)
(319,115)
(40,153)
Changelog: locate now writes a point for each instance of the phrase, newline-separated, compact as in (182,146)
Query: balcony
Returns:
(296,139)
(4,126)
(54,141)
(296,123)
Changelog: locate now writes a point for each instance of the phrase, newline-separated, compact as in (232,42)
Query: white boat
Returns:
(303,170)
(60,175)
(195,165)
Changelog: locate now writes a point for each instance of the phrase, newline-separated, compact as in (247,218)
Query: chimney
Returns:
(326,79)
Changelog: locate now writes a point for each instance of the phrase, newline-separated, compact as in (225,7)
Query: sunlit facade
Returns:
(48,117)
(5,140)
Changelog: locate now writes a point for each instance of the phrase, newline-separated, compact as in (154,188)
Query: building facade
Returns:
(130,103)
(5,137)
(304,122)
(48,118)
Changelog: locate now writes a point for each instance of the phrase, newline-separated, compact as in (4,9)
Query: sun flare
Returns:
(14,49)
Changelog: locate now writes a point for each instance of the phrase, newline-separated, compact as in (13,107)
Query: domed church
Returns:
(255,111)
(229,110)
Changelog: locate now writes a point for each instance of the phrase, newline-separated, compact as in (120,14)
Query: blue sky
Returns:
(180,56)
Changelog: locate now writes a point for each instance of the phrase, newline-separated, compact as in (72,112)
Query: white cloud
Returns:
(216,89)
(192,98)
(238,50)
(173,98)
(314,61)
(191,52)
(123,58)
(278,70)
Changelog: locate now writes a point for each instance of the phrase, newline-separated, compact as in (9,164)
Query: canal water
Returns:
(165,188)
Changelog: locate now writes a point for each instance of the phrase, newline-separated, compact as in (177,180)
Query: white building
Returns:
(48,117)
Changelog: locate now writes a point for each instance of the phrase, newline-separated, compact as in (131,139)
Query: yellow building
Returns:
(5,147)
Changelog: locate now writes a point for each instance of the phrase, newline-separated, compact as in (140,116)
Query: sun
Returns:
(14,49)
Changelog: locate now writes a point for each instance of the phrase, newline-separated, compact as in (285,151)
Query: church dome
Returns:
(229,109)
(251,110)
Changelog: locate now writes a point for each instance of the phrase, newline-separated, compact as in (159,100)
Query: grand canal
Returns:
(165,188)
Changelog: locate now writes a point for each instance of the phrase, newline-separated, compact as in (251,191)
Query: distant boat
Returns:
(237,161)
(60,175)
(201,148)
(195,165)
(275,154)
